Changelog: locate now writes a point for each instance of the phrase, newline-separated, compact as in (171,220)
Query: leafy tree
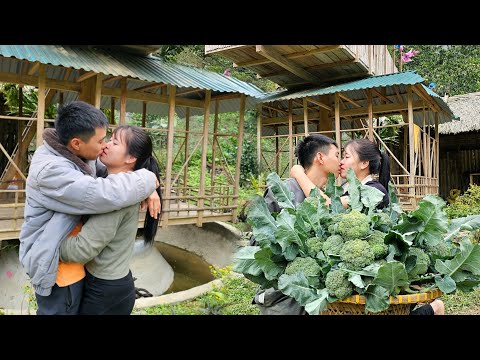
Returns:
(455,69)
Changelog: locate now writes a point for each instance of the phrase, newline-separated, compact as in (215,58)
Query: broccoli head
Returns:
(314,245)
(337,284)
(354,225)
(357,254)
(307,265)
(333,223)
(333,245)
(422,261)
(440,250)
(380,249)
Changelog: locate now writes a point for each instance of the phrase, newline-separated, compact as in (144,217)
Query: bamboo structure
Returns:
(343,115)
(177,145)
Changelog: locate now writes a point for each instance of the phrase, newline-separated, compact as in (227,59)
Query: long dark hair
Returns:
(379,162)
(139,145)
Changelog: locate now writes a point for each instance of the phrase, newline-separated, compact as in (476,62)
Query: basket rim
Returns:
(399,299)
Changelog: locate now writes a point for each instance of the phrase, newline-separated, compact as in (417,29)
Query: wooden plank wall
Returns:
(459,156)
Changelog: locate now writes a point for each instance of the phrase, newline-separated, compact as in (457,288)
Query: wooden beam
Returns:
(34,68)
(325,81)
(344,97)
(270,53)
(226,96)
(338,136)
(284,119)
(289,56)
(143,96)
(33,81)
(325,106)
(290,134)
(275,109)
(305,116)
(41,104)
(112,78)
(86,76)
(150,86)
(189,92)
(144,113)
(123,101)
(384,108)
(239,156)
(203,166)
(370,115)
(422,93)
(313,67)
(169,165)
(259,137)
(411,139)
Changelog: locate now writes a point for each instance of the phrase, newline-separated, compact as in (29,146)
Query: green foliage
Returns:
(333,245)
(466,204)
(420,264)
(307,265)
(29,103)
(377,244)
(314,246)
(454,68)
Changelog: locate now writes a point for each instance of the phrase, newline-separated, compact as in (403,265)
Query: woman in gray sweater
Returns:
(105,242)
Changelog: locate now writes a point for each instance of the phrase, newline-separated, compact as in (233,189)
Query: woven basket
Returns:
(399,305)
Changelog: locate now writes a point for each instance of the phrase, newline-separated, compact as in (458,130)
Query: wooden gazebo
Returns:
(358,109)
(125,79)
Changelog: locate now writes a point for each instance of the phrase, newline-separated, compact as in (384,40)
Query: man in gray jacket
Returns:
(318,154)
(61,186)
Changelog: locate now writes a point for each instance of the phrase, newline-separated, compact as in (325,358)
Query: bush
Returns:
(466,204)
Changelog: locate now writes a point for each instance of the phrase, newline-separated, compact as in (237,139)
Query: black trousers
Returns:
(63,300)
(108,297)
(426,309)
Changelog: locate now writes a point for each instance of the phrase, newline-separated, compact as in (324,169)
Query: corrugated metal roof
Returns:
(405,78)
(115,63)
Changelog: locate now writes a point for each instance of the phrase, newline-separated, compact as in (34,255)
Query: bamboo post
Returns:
(203,168)
(370,115)
(123,100)
(185,169)
(305,115)
(338,138)
(21,144)
(112,110)
(239,157)
(168,176)
(277,154)
(437,148)
(144,114)
(259,138)
(98,90)
(290,135)
(411,134)
(214,154)
(41,104)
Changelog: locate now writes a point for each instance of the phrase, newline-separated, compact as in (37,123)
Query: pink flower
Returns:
(227,72)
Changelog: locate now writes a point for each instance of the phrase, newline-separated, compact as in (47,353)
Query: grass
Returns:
(462,303)
(233,298)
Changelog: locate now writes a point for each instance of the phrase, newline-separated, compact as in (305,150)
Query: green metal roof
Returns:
(116,63)
(405,78)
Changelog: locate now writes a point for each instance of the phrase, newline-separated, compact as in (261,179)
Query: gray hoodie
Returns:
(58,191)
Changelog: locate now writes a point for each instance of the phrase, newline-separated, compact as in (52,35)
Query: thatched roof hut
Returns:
(467,108)
(460,145)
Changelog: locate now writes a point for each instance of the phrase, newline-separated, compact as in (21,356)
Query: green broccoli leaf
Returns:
(270,268)
(430,212)
(378,299)
(263,223)
(470,223)
(354,191)
(446,284)
(356,280)
(334,192)
(319,304)
(371,197)
(264,283)
(467,259)
(296,286)
(391,276)
(468,285)
(244,261)
(288,234)
(282,193)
